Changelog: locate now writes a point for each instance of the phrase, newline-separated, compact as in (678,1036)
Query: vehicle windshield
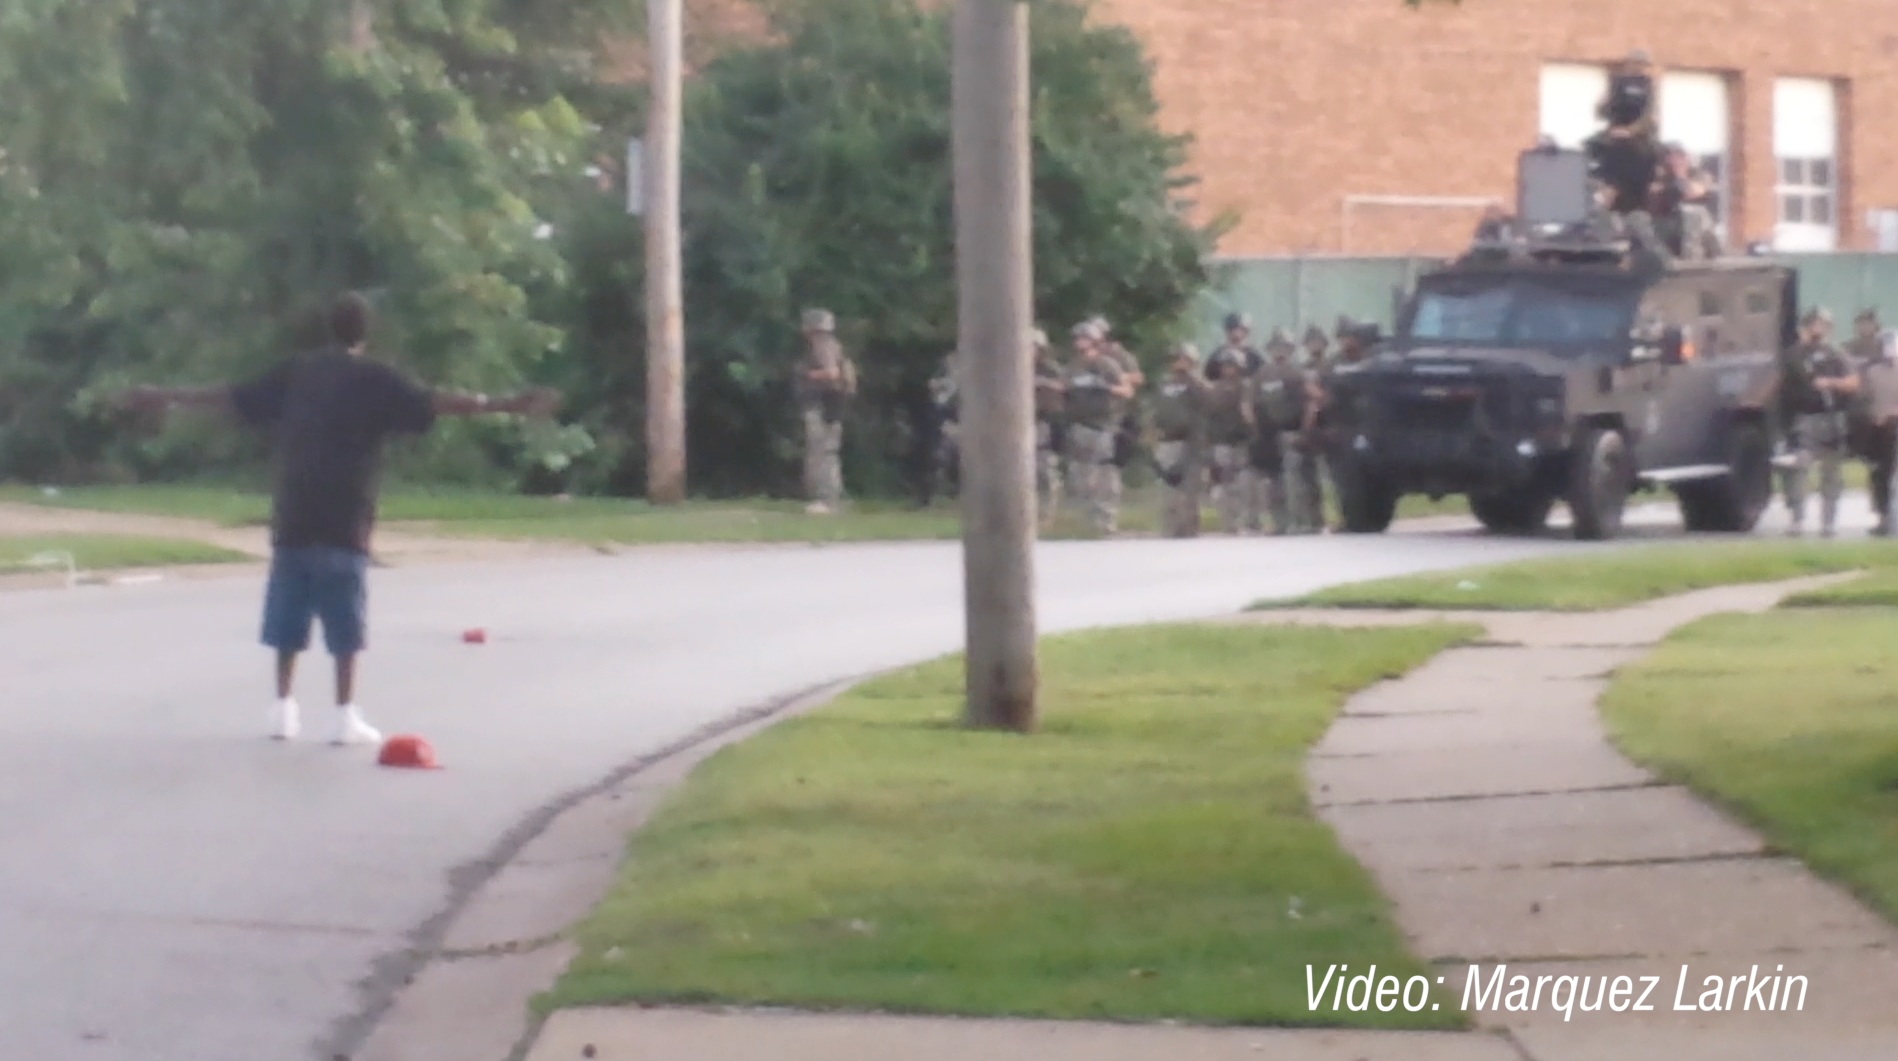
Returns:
(1520,315)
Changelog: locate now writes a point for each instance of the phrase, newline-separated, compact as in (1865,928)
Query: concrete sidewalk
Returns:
(683,1035)
(1483,794)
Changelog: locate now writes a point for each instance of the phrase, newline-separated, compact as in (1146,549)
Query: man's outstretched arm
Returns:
(526,403)
(217,398)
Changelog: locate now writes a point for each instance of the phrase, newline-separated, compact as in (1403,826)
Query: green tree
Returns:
(817,173)
(185,181)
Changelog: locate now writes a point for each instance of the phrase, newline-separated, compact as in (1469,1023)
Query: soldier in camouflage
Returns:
(1874,438)
(1127,434)
(1304,465)
(1280,393)
(1237,349)
(1821,381)
(1179,452)
(1229,423)
(824,382)
(1096,392)
(1050,430)
(945,455)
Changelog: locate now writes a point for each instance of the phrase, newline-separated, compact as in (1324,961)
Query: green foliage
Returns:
(185,183)
(818,172)
(1152,855)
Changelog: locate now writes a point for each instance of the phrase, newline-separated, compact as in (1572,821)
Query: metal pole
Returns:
(995,282)
(665,314)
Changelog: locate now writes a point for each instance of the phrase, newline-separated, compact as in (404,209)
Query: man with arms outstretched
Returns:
(328,413)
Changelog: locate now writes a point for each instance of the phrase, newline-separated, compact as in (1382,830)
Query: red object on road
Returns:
(474,637)
(408,753)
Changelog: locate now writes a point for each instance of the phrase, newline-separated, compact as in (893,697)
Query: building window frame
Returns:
(1807,183)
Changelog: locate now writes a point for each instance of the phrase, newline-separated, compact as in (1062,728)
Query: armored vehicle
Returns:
(1563,359)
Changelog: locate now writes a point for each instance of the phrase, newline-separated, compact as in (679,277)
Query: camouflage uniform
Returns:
(1280,395)
(1127,431)
(1096,402)
(1229,437)
(1049,430)
(1683,221)
(945,457)
(821,403)
(1626,156)
(1179,452)
(1236,351)
(1875,439)
(1304,464)
(1819,425)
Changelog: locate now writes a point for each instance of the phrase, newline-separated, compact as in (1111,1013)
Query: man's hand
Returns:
(148,399)
(141,399)
(539,402)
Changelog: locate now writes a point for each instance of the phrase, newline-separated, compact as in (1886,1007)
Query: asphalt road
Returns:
(174,887)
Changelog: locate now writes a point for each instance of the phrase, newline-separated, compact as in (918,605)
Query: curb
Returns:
(464,987)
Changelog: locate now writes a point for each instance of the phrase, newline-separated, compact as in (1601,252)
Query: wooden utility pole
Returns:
(665,313)
(995,281)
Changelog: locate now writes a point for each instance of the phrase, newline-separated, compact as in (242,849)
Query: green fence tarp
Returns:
(1297,292)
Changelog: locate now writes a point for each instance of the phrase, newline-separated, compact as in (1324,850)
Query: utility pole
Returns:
(995,282)
(665,312)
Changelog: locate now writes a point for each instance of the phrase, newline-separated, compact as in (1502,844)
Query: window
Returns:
(1570,94)
(1759,303)
(1696,113)
(1710,304)
(1520,314)
(1805,142)
(1459,317)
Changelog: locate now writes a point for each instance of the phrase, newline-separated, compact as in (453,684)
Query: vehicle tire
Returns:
(1366,504)
(1600,475)
(1733,503)
(1522,512)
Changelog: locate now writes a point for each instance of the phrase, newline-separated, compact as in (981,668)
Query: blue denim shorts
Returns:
(317,583)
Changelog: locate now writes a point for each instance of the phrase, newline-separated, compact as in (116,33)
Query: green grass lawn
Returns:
(99,552)
(607,521)
(224,506)
(1150,855)
(1790,719)
(1878,588)
(1604,580)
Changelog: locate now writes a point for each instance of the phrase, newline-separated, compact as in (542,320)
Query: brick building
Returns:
(1363,127)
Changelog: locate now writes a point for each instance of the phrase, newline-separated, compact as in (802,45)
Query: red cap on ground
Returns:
(475,637)
(408,752)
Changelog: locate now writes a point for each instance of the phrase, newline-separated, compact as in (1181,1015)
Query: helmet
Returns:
(1100,323)
(1346,324)
(1235,321)
(1817,315)
(1088,330)
(819,320)
(1281,340)
(1315,335)
(1868,316)
(1039,339)
(1186,351)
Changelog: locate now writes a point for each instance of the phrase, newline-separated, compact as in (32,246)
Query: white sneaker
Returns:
(351,729)
(285,722)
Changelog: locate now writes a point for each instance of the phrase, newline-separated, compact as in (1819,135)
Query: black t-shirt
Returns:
(328,414)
